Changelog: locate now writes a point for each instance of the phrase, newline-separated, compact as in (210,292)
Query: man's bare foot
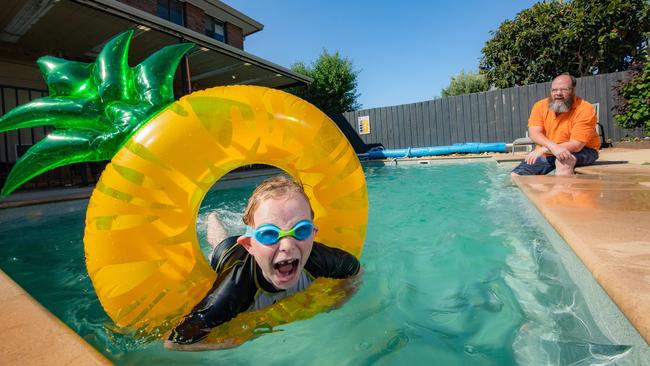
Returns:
(565,168)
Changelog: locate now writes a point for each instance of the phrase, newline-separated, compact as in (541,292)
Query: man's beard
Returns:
(560,106)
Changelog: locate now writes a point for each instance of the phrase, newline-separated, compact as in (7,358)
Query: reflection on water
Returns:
(457,272)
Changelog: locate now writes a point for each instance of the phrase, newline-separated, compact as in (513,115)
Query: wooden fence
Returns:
(494,116)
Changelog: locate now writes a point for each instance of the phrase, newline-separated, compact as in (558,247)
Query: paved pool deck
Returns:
(31,335)
(603,213)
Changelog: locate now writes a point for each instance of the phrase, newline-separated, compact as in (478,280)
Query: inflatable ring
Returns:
(141,245)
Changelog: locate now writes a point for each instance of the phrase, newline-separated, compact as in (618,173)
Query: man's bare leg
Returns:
(565,168)
(215,230)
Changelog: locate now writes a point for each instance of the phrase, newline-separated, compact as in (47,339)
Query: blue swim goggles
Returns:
(269,234)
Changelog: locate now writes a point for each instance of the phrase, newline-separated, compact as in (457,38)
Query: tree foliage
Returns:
(466,83)
(633,100)
(334,89)
(582,37)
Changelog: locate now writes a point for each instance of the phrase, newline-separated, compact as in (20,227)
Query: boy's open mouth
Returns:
(286,268)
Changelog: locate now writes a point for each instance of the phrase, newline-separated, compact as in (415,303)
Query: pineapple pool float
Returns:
(140,239)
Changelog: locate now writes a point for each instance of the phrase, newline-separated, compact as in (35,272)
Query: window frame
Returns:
(164,10)
(210,23)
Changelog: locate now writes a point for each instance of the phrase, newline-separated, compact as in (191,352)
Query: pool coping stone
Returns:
(31,335)
(599,213)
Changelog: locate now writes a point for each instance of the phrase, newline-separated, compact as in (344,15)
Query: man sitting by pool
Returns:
(275,258)
(563,126)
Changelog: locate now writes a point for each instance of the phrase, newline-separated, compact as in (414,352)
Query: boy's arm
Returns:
(330,262)
(335,263)
(224,302)
(232,293)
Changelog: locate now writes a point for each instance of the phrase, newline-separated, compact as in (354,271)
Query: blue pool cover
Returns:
(414,152)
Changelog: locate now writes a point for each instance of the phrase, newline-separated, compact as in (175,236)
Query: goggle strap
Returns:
(251,232)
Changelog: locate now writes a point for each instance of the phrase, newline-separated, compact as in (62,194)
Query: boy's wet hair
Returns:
(274,187)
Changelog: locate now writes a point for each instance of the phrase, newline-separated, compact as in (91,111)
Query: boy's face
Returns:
(282,262)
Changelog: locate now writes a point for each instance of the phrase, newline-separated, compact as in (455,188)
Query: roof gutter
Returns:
(257,26)
(141,17)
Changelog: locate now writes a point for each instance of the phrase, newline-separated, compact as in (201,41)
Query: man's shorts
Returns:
(546,164)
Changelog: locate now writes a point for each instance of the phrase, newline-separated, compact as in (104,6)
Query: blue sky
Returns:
(405,51)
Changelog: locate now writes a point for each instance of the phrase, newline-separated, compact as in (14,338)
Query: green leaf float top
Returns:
(94,106)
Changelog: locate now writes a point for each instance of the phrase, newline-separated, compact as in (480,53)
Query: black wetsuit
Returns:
(240,286)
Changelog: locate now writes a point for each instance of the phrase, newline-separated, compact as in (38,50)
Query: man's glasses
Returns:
(561,90)
(269,234)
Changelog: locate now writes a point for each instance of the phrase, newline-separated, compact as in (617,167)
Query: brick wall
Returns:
(150,6)
(234,36)
(194,18)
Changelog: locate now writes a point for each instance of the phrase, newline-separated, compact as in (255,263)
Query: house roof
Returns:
(226,13)
(77,29)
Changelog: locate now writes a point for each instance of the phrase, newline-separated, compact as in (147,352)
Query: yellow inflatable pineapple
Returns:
(140,239)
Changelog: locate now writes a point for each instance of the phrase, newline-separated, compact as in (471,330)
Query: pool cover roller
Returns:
(413,152)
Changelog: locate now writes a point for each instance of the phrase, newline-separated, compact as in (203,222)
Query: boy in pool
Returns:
(275,258)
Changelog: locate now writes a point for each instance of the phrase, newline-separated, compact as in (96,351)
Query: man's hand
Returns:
(532,156)
(561,153)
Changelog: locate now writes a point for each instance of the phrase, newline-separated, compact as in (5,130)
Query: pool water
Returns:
(457,272)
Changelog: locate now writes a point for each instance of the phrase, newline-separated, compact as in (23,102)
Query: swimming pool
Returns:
(458,270)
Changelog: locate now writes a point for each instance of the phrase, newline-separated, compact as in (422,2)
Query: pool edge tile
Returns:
(601,223)
(31,335)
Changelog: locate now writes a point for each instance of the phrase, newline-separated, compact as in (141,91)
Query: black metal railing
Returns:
(13,144)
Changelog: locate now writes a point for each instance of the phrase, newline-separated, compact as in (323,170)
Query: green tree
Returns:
(334,89)
(466,83)
(633,99)
(582,37)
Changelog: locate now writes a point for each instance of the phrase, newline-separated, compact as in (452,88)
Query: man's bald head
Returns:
(567,78)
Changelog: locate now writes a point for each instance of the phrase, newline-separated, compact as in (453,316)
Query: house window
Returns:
(171,10)
(215,29)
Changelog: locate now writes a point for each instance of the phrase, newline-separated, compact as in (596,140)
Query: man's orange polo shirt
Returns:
(579,123)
